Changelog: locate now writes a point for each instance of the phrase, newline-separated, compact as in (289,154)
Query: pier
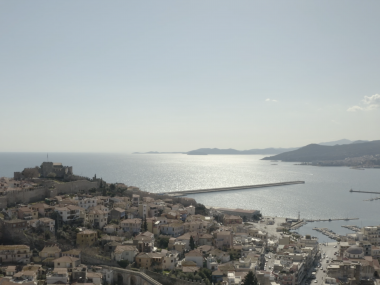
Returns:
(353,228)
(329,233)
(186,192)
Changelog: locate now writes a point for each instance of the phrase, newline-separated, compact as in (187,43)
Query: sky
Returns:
(125,76)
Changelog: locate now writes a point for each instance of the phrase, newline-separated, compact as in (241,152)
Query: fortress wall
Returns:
(74,186)
(3,202)
(25,196)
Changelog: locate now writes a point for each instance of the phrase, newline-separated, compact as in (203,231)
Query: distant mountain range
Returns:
(264,151)
(157,152)
(343,141)
(204,151)
(317,152)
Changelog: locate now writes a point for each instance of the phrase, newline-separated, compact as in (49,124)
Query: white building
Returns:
(195,256)
(124,252)
(15,253)
(170,261)
(88,203)
(57,276)
(131,225)
(48,223)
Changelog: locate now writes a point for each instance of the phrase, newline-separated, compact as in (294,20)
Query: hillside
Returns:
(234,151)
(315,152)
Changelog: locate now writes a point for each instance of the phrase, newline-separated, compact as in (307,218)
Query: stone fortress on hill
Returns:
(46,170)
(46,181)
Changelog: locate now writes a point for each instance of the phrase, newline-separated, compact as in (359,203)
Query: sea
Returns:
(325,194)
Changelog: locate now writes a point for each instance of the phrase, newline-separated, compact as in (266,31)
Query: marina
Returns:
(352,228)
(328,232)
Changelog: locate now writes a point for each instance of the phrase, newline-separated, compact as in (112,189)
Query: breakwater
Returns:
(357,191)
(197,191)
(331,220)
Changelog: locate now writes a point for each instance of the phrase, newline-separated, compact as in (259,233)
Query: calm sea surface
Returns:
(324,195)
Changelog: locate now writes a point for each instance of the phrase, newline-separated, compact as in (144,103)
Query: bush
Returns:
(51,175)
(123,263)
(162,241)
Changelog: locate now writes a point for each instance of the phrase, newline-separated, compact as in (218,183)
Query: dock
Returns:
(328,233)
(198,191)
(353,228)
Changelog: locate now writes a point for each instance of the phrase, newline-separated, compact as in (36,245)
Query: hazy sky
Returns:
(123,76)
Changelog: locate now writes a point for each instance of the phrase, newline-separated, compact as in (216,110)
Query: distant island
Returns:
(355,154)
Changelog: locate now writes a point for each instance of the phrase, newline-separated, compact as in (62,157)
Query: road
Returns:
(328,250)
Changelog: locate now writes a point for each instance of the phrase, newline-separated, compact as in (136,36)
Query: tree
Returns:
(51,175)
(123,263)
(256,216)
(244,219)
(145,225)
(112,187)
(250,279)
(162,241)
(192,243)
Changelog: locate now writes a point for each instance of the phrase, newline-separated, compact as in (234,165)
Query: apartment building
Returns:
(88,202)
(174,229)
(131,225)
(372,234)
(15,254)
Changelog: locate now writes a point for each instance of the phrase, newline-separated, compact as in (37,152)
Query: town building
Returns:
(15,254)
(87,238)
(124,252)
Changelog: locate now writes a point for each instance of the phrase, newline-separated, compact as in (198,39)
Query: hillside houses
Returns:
(140,231)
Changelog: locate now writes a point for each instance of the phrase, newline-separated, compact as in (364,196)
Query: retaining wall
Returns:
(165,280)
(97,260)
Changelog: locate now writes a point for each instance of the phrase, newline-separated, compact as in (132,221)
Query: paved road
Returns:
(328,250)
